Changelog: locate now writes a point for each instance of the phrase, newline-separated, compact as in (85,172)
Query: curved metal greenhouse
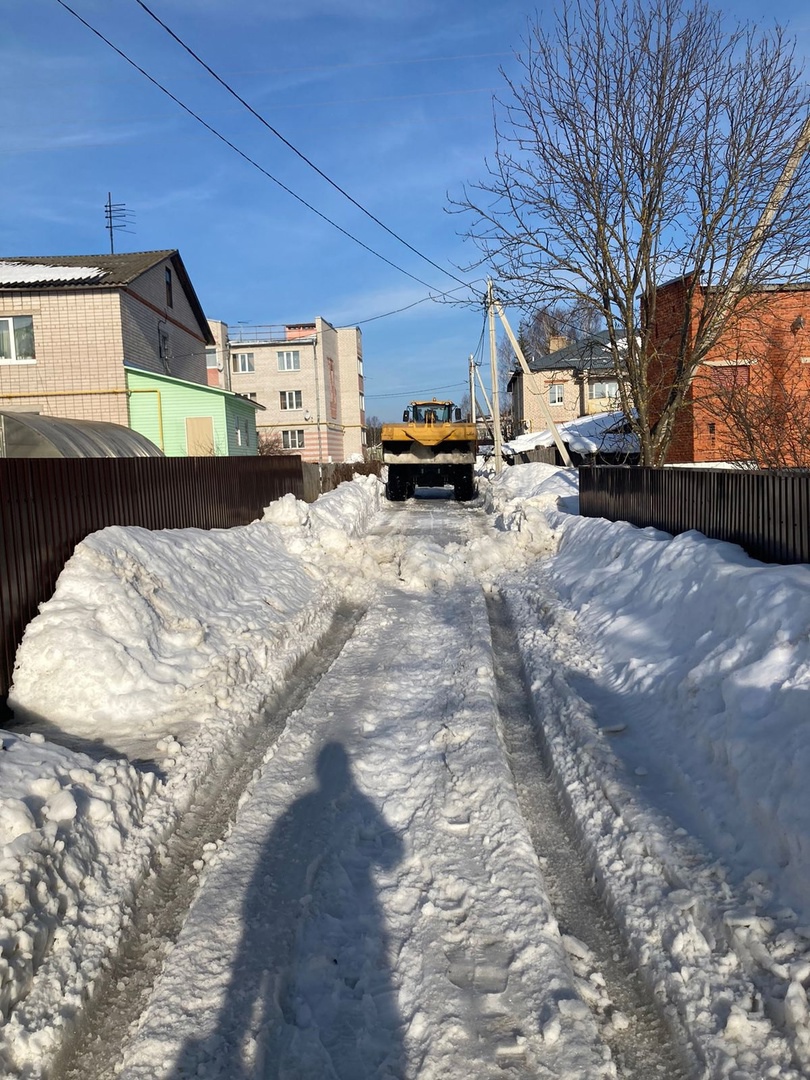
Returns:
(30,435)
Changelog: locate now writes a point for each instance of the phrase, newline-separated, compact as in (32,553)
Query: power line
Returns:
(241,153)
(290,146)
(414,393)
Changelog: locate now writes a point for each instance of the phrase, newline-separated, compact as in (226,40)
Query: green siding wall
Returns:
(159,407)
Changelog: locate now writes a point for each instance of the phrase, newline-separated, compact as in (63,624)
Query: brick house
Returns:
(116,338)
(576,378)
(750,398)
(307,376)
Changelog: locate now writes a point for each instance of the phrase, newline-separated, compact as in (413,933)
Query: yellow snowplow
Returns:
(432,447)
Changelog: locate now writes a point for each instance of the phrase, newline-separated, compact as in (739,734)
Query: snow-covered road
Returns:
(396,895)
(378,909)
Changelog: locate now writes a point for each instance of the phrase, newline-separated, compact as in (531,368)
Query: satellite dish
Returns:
(307,416)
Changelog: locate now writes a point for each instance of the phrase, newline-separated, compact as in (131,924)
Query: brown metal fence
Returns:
(766,513)
(47,505)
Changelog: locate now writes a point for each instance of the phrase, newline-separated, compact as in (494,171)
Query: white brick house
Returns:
(70,324)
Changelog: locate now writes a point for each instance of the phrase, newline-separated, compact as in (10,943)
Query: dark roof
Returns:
(593,352)
(102,272)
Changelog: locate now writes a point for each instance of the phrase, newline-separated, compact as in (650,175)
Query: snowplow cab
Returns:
(432,447)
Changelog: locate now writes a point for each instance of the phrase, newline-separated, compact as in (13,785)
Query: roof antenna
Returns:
(118,217)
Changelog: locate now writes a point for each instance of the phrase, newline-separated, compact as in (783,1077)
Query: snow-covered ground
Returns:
(670,677)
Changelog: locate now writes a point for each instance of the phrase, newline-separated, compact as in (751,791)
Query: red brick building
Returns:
(750,398)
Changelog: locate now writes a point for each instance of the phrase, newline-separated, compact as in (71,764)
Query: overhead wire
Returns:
(243,155)
(226,86)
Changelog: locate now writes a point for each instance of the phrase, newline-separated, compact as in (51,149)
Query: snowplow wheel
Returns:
(464,486)
(396,489)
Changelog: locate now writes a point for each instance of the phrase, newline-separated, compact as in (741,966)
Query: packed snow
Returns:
(604,433)
(412,934)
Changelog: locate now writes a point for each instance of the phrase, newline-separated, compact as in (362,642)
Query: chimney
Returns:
(556,342)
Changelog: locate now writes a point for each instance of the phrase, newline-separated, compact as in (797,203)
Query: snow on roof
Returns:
(601,432)
(15,273)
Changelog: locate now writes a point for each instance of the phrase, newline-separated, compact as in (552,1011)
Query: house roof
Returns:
(589,354)
(30,273)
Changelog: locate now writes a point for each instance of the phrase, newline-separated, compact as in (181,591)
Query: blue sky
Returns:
(392,99)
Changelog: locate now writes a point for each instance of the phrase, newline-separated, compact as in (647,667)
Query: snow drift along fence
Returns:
(47,505)
(766,513)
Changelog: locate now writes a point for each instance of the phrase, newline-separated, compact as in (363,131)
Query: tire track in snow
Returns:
(93,1051)
(641,1044)
(379,906)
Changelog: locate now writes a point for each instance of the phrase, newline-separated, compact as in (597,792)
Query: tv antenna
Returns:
(118,217)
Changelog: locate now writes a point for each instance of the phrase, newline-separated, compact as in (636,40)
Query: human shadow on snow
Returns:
(311,993)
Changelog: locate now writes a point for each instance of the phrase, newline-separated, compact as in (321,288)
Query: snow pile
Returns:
(162,646)
(599,433)
(64,820)
(154,631)
(670,675)
(672,686)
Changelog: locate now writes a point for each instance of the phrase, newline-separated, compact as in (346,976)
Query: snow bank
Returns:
(672,685)
(161,646)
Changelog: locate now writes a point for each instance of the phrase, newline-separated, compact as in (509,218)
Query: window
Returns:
(555,394)
(243,362)
(211,360)
(250,396)
(730,376)
(293,440)
(17,340)
(169,288)
(606,390)
(290,399)
(289,360)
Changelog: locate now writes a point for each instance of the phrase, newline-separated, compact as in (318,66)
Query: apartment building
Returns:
(307,376)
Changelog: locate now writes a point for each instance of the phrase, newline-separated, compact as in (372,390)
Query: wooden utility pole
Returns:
(496,400)
(530,377)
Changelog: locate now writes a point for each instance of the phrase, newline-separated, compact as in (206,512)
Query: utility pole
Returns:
(472,389)
(496,401)
(532,382)
(318,411)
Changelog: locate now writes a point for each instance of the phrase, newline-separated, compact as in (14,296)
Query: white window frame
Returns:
(556,394)
(592,396)
(289,360)
(290,400)
(293,439)
(243,363)
(10,320)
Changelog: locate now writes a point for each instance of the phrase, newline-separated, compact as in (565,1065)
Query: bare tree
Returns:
(757,412)
(270,444)
(647,142)
(373,430)
(574,322)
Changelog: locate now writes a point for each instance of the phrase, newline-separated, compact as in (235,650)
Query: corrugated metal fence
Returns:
(766,513)
(47,505)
